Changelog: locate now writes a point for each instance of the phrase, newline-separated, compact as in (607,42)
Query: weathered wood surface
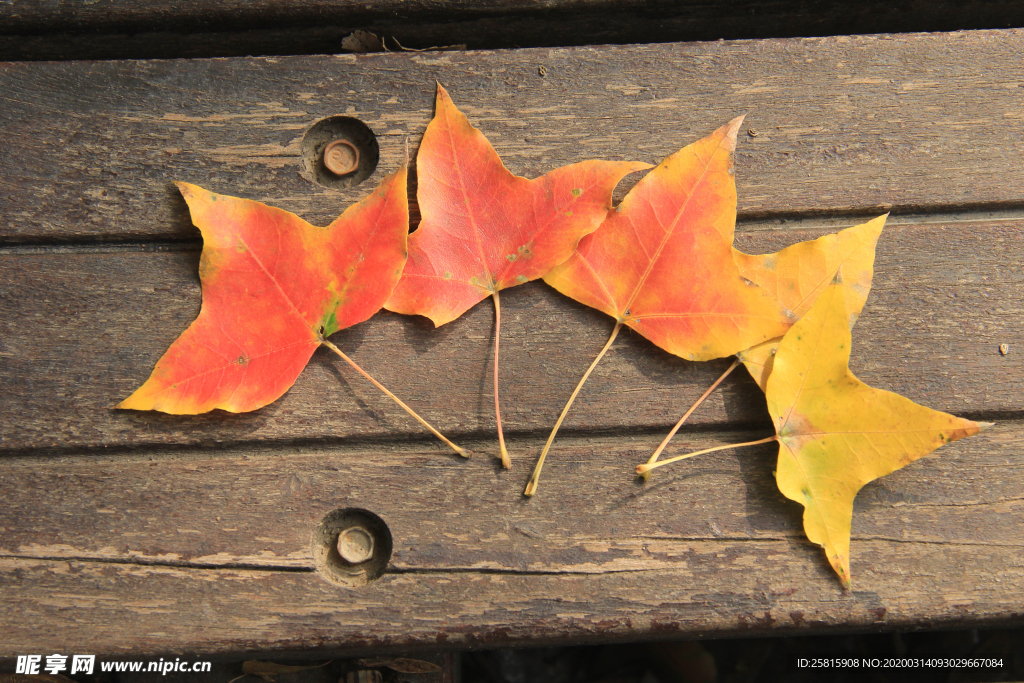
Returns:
(159,550)
(257,507)
(110,608)
(123,530)
(37,29)
(81,331)
(849,124)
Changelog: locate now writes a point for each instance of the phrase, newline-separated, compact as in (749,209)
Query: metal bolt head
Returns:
(1004,349)
(341,157)
(355,545)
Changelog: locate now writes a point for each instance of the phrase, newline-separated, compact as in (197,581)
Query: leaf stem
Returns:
(531,486)
(654,458)
(506,461)
(461,451)
(647,467)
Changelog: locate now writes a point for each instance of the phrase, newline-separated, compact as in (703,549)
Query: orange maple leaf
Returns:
(274,288)
(484,229)
(662,263)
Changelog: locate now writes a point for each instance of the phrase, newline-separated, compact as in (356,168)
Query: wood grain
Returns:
(257,507)
(849,124)
(81,331)
(207,554)
(112,609)
(125,531)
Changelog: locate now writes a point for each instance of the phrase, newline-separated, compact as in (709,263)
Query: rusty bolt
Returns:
(341,157)
(355,545)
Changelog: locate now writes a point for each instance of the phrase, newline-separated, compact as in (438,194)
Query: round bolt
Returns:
(1004,349)
(355,545)
(341,157)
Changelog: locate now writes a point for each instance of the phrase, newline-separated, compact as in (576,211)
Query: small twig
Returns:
(647,467)
(461,451)
(506,461)
(531,486)
(654,458)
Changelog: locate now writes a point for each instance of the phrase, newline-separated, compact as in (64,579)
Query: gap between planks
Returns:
(769,222)
(481,442)
(620,525)
(723,543)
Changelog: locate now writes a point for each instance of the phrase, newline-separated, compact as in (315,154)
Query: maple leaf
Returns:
(484,229)
(836,433)
(274,288)
(662,263)
(796,276)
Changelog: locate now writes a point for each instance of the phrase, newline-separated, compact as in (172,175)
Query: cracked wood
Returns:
(127,307)
(858,123)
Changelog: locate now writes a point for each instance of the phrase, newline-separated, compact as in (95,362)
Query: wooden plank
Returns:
(139,30)
(81,330)
(211,554)
(844,124)
(112,609)
(257,507)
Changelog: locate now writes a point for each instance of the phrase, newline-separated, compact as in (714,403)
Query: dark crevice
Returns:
(911,541)
(488,571)
(745,222)
(136,30)
(996,416)
(513,572)
(480,441)
(726,539)
(98,246)
(182,564)
(909,214)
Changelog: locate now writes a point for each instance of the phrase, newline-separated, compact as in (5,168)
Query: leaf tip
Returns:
(874,226)
(982,426)
(133,402)
(841,565)
(186,189)
(441,93)
(732,130)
